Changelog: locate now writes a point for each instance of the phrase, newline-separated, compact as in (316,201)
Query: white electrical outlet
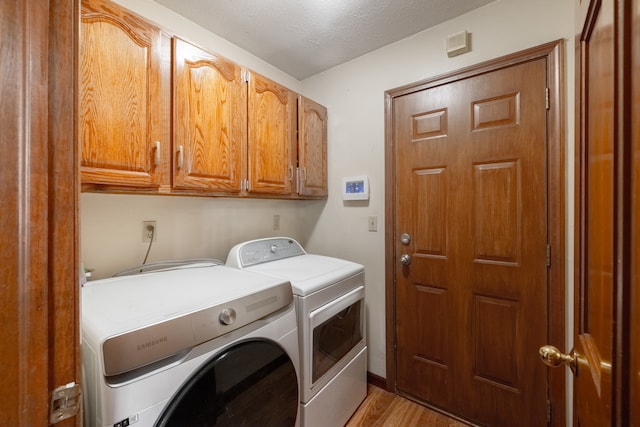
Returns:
(373,223)
(149,228)
(276,222)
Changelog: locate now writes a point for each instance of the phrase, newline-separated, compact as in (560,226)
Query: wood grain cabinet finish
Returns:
(272,117)
(312,148)
(234,132)
(124,98)
(210,120)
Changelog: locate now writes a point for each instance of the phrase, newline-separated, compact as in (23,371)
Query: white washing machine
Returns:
(195,346)
(329,300)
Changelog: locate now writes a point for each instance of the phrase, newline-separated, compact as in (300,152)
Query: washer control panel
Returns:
(267,250)
(140,347)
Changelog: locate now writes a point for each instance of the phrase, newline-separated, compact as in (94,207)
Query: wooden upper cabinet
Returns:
(124,98)
(210,120)
(272,137)
(312,148)
(229,136)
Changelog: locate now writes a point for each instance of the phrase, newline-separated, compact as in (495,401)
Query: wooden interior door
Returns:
(210,120)
(39,292)
(471,232)
(634,333)
(595,291)
(606,327)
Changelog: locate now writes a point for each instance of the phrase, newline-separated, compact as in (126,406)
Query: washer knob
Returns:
(227,316)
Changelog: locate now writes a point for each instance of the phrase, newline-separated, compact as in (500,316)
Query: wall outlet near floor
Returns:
(149,229)
(276,222)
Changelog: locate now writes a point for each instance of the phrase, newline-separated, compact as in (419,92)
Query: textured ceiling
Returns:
(305,37)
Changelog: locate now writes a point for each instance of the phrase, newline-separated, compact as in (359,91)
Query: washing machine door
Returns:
(249,384)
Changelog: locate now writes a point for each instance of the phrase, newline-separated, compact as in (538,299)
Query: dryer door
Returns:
(251,383)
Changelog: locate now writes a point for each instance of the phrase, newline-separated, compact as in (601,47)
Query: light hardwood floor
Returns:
(382,408)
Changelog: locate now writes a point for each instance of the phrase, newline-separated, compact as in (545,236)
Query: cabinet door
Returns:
(210,120)
(312,148)
(272,127)
(124,98)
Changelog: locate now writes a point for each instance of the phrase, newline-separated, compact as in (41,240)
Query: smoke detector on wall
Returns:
(458,43)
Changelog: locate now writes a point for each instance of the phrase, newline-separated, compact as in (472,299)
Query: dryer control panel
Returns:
(263,250)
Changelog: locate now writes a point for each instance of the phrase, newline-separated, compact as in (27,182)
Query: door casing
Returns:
(553,52)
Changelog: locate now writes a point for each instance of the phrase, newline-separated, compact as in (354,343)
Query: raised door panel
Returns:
(271,137)
(210,110)
(124,98)
(312,148)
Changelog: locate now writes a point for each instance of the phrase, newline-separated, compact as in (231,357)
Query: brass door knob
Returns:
(553,357)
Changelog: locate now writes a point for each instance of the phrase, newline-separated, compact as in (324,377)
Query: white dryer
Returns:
(204,345)
(329,300)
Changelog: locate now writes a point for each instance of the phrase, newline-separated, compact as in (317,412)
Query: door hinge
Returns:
(246,76)
(244,186)
(547,100)
(65,402)
(548,412)
(548,255)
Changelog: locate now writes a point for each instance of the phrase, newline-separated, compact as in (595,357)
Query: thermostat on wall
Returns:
(355,188)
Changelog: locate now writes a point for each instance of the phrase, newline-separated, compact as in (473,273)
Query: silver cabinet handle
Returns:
(405,259)
(157,156)
(180,156)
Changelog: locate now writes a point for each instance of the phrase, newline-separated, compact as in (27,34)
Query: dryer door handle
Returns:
(326,312)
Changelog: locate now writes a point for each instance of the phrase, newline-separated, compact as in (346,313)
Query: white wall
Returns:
(187,227)
(354,96)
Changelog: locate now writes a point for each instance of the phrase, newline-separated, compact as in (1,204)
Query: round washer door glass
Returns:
(249,384)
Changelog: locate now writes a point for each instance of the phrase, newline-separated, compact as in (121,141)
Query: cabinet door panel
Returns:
(272,127)
(210,110)
(312,148)
(124,98)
